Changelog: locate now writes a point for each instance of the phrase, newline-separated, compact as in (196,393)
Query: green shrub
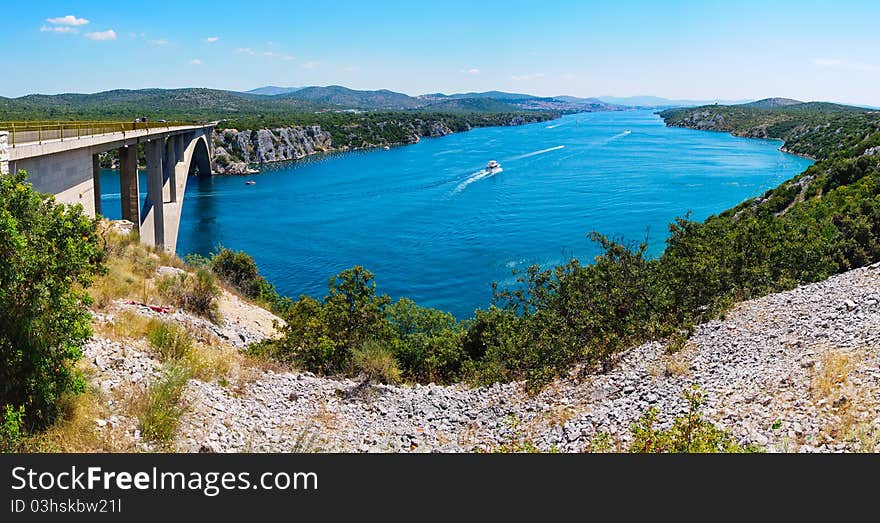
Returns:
(159,409)
(171,341)
(376,364)
(427,342)
(689,433)
(238,270)
(48,255)
(196,293)
(11,428)
(323,336)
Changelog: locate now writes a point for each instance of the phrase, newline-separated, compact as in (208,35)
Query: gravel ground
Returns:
(794,371)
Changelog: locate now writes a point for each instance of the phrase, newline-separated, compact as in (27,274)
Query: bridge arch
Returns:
(200,160)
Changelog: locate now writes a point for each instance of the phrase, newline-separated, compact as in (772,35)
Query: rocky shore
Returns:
(237,152)
(797,371)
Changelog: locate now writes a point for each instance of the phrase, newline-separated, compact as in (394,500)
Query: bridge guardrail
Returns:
(41,131)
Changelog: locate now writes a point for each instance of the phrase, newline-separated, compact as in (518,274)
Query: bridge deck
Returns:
(99,142)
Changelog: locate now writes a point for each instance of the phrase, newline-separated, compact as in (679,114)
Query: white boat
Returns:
(493,167)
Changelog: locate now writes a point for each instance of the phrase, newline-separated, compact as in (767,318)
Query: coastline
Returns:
(781,148)
(234,150)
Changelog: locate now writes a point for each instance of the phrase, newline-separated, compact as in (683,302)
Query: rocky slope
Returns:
(235,150)
(794,371)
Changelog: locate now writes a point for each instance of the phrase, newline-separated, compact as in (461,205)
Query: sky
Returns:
(703,50)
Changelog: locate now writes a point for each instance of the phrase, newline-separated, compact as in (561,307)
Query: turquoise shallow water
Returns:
(434,228)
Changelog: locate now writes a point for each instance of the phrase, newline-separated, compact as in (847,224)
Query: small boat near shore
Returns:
(250,182)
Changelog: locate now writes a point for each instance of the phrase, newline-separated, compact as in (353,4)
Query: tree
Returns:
(48,255)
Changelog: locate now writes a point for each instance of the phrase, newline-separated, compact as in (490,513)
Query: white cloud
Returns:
(67,20)
(569,76)
(286,57)
(109,34)
(473,70)
(311,65)
(832,63)
(246,50)
(57,29)
(160,41)
(195,61)
(212,39)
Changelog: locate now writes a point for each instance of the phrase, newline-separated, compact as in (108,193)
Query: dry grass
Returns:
(159,408)
(849,408)
(865,437)
(207,363)
(76,429)
(125,325)
(558,415)
(671,365)
(832,374)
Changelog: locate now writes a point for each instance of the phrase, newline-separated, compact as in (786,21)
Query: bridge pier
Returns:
(170,170)
(153,213)
(69,170)
(129,188)
(96,181)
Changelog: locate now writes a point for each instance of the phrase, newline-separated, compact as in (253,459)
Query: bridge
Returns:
(62,159)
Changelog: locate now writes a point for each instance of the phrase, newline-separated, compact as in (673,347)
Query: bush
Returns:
(196,293)
(427,342)
(323,336)
(376,364)
(171,341)
(238,270)
(11,425)
(159,409)
(689,433)
(48,255)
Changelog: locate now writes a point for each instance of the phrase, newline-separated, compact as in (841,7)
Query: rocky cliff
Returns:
(235,150)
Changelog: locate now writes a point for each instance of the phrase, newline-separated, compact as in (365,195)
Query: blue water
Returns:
(433,227)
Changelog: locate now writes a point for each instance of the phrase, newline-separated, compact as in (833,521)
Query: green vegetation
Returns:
(824,221)
(48,255)
(159,409)
(376,363)
(239,271)
(353,118)
(196,293)
(815,129)
(689,433)
(171,341)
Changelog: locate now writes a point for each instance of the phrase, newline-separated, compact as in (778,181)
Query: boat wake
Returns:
(536,153)
(554,126)
(477,176)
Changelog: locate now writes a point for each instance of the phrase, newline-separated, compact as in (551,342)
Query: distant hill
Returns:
(271,90)
(577,100)
(496,95)
(488,105)
(190,103)
(351,99)
(656,101)
(803,125)
(261,105)
(772,103)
